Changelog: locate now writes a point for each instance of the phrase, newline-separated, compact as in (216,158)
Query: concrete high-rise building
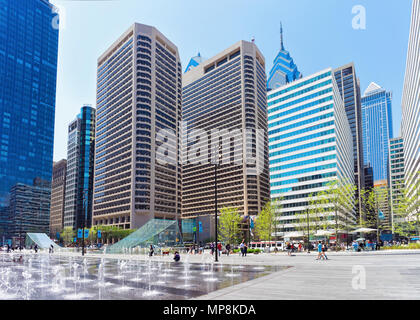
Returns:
(223,97)
(79,175)
(410,125)
(138,96)
(58,191)
(29,209)
(396,175)
(311,144)
(28,71)
(377,130)
(284,69)
(349,87)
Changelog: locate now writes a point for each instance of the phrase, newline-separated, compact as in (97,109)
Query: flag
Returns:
(381,215)
(79,233)
(99,234)
(251,223)
(86,233)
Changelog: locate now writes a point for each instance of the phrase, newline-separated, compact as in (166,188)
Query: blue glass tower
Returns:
(377,129)
(194,62)
(28,71)
(284,69)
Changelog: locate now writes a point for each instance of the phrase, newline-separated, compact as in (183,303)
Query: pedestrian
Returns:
(151,251)
(245,249)
(242,247)
(177,257)
(227,249)
(289,249)
(219,248)
(324,249)
(319,251)
(212,248)
(300,247)
(36,248)
(8,248)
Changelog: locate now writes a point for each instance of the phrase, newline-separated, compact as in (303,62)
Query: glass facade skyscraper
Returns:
(349,87)
(311,144)
(377,130)
(79,173)
(28,71)
(396,173)
(284,69)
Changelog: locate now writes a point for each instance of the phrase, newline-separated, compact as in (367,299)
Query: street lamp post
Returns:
(307,220)
(84,220)
(217,159)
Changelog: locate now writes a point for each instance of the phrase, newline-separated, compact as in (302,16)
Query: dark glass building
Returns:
(79,175)
(28,71)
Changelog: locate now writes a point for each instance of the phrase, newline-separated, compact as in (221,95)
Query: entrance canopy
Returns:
(156,232)
(40,239)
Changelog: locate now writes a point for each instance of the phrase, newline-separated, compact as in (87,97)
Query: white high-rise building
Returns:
(411,106)
(138,95)
(310,145)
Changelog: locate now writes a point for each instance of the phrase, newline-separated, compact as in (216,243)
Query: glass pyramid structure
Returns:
(157,232)
(284,69)
(41,239)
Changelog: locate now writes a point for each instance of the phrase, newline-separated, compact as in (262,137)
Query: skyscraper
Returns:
(377,130)
(411,107)
(396,173)
(79,175)
(58,191)
(28,70)
(194,62)
(225,95)
(349,87)
(311,144)
(284,69)
(138,98)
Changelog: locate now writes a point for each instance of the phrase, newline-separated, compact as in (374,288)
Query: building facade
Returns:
(311,144)
(396,173)
(377,130)
(28,70)
(224,100)
(58,191)
(79,172)
(29,209)
(349,87)
(284,69)
(138,108)
(410,125)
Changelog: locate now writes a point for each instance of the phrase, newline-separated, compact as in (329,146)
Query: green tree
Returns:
(267,221)
(229,225)
(339,200)
(68,234)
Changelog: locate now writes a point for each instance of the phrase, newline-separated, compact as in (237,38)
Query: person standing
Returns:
(324,250)
(242,247)
(212,248)
(245,249)
(152,251)
(227,249)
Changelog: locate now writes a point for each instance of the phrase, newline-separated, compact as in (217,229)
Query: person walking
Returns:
(36,248)
(219,249)
(289,249)
(151,251)
(212,248)
(245,249)
(319,251)
(324,249)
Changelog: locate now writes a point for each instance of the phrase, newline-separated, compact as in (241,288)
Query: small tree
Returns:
(229,225)
(68,235)
(267,220)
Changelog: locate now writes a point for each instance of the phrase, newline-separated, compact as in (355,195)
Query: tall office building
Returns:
(284,69)
(28,70)
(58,191)
(138,96)
(222,98)
(411,106)
(377,130)
(79,175)
(349,87)
(396,172)
(194,62)
(29,209)
(311,144)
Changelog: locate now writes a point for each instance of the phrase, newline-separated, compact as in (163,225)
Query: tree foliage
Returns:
(229,225)
(267,221)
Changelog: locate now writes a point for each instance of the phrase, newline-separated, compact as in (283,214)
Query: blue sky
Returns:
(318,34)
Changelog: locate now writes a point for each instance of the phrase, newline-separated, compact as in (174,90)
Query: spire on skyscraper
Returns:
(281,37)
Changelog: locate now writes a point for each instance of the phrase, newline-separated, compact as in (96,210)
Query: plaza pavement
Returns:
(390,275)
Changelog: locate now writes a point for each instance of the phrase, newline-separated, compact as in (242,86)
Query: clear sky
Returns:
(318,34)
